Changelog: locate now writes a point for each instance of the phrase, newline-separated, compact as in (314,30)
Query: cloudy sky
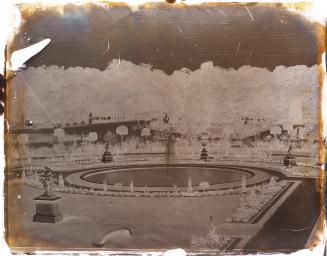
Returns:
(169,37)
(216,63)
(211,94)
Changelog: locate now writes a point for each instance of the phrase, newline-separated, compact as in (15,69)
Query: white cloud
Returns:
(209,94)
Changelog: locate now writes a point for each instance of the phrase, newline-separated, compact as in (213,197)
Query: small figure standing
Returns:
(212,230)
(289,151)
(166,118)
(297,133)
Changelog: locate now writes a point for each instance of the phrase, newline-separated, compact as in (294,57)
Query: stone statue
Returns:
(47,204)
(46,180)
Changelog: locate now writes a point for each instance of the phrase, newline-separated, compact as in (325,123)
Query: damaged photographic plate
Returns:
(140,127)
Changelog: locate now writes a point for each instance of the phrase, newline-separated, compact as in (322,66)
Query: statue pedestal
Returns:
(289,161)
(107,157)
(47,209)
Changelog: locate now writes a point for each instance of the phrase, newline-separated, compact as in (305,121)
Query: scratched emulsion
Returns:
(166,38)
(229,35)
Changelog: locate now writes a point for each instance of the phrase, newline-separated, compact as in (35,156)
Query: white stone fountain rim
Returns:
(76,179)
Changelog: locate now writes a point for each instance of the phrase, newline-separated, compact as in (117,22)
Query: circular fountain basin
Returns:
(168,176)
(158,177)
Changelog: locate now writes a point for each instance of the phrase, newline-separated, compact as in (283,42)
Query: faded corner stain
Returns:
(18,236)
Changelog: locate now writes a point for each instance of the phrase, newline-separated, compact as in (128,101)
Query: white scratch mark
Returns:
(297,230)
(238,48)
(108,46)
(36,98)
(19,57)
(118,61)
(180,29)
(249,12)
(7,123)
(249,56)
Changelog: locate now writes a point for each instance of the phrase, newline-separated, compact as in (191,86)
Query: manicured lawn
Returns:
(156,222)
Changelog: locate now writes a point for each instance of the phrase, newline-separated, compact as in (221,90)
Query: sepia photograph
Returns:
(165,126)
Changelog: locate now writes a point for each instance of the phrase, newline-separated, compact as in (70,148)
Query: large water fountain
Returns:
(179,179)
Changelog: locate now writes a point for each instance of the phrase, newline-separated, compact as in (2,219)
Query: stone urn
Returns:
(204,153)
(289,159)
(107,156)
